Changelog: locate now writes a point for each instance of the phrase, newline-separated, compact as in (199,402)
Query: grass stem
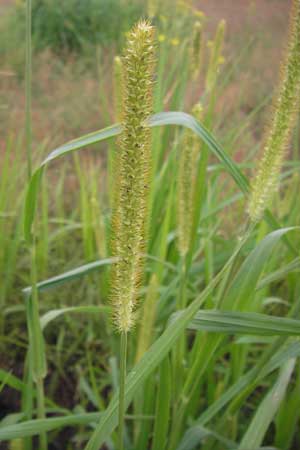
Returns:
(37,347)
(28,82)
(35,334)
(179,352)
(41,410)
(123,357)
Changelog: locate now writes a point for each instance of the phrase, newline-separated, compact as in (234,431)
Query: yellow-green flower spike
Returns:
(187,173)
(118,100)
(215,58)
(132,174)
(196,49)
(286,104)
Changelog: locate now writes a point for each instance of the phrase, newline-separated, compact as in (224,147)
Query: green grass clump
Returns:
(71,25)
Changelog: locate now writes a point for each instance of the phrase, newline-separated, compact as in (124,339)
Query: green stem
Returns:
(27,397)
(179,352)
(41,410)
(37,346)
(36,334)
(28,78)
(28,137)
(123,357)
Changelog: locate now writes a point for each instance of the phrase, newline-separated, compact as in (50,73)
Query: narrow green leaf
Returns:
(84,141)
(12,419)
(36,338)
(162,414)
(197,434)
(293,266)
(188,121)
(7,378)
(267,409)
(54,313)
(243,286)
(37,426)
(78,272)
(244,323)
(288,416)
(76,144)
(70,275)
(30,202)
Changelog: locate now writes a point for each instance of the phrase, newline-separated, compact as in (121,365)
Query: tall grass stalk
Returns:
(123,360)
(36,351)
(132,171)
(28,84)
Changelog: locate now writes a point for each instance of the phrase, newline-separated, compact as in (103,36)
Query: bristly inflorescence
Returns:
(284,112)
(215,59)
(196,50)
(132,170)
(187,173)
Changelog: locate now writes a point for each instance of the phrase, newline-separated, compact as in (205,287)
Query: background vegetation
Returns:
(232,382)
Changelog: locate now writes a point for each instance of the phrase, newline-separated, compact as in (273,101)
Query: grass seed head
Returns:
(215,57)
(196,51)
(285,106)
(187,173)
(132,173)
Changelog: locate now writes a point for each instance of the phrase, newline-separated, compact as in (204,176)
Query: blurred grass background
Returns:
(73,53)
(74,45)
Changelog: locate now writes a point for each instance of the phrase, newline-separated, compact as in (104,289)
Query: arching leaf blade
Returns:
(70,275)
(71,146)
(55,313)
(244,323)
(188,121)
(243,285)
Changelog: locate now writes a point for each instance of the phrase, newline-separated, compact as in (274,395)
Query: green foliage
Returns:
(72,25)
